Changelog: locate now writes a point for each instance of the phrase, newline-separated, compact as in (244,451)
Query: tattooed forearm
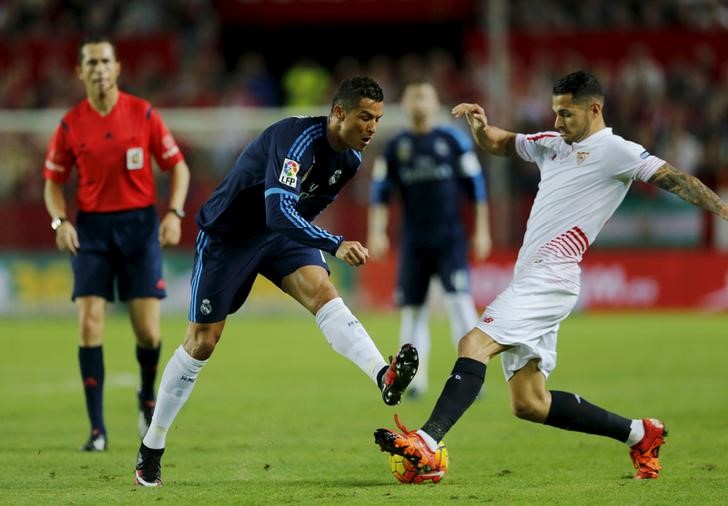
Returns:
(690,189)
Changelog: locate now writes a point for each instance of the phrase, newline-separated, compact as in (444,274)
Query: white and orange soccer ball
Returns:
(406,472)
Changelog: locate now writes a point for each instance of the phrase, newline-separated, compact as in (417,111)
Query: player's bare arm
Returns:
(353,253)
(690,189)
(493,140)
(377,240)
(55,201)
(170,228)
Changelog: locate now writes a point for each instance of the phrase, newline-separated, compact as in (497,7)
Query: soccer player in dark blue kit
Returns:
(433,168)
(258,221)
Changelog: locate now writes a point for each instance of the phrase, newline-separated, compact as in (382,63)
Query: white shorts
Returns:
(526,315)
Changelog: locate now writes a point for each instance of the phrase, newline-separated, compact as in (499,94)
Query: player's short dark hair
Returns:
(95,39)
(580,85)
(351,91)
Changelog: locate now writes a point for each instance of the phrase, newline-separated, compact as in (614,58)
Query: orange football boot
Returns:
(645,454)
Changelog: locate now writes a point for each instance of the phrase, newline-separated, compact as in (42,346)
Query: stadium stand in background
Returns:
(212,69)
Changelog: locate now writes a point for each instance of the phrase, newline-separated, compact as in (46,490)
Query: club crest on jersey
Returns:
(288,173)
(334,177)
(581,156)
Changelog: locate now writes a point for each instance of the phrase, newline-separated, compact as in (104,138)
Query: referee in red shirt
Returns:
(110,137)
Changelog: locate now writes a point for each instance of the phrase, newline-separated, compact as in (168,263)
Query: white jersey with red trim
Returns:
(581,186)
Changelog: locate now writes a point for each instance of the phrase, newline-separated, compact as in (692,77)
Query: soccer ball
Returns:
(406,472)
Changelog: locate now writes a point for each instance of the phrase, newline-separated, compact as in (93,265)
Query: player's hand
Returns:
(170,230)
(474,114)
(67,238)
(482,245)
(378,245)
(353,253)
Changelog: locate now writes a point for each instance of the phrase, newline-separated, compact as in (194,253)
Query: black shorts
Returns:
(447,260)
(224,273)
(119,248)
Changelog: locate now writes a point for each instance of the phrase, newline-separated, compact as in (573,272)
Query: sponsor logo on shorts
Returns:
(488,319)
(288,172)
(206,307)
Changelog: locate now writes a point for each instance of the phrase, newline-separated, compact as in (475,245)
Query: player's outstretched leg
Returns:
(409,445)
(402,368)
(149,467)
(645,454)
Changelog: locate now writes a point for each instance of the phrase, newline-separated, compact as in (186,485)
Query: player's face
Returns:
(573,120)
(420,102)
(358,125)
(99,68)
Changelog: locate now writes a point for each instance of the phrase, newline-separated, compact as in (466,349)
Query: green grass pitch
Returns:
(278,418)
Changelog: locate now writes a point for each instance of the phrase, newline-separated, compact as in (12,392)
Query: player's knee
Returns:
(531,409)
(201,340)
(523,409)
(92,328)
(147,337)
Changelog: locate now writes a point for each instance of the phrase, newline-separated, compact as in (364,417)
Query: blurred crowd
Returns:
(677,108)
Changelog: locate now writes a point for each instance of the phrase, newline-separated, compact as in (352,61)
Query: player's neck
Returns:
(103,102)
(422,127)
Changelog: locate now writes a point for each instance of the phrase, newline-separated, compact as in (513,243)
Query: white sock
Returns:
(175,387)
(636,433)
(414,329)
(461,311)
(431,443)
(349,338)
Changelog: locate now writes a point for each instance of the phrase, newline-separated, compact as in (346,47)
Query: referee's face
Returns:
(99,68)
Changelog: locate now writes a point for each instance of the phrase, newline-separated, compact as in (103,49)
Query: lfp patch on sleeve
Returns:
(288,173)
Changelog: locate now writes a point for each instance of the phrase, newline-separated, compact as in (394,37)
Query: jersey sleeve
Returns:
(469,168)
(630,160)
(283,179)
(534,147)
(162,144)
(59,159)
(381,186)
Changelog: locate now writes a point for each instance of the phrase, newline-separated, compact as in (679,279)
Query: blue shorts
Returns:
(223,273)
(447,260)
(120,247)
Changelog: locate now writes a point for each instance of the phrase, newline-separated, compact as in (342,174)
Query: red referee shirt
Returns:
(111,154)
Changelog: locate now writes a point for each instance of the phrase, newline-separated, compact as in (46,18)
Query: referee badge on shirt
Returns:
(134,158)
(288,173)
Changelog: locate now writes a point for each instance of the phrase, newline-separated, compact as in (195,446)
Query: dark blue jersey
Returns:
(280,182)
(431,172)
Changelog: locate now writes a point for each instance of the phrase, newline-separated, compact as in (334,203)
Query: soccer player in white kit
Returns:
(586,171)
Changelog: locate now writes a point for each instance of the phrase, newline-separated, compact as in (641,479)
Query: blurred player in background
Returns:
(586,171)
(117,237)
(432,167)
(258,221)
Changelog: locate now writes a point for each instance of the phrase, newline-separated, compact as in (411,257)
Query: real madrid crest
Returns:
(334,177)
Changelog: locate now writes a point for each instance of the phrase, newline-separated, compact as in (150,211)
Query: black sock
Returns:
(148,359)
(461,389)
(380,376)
(91,361)
(571,412)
